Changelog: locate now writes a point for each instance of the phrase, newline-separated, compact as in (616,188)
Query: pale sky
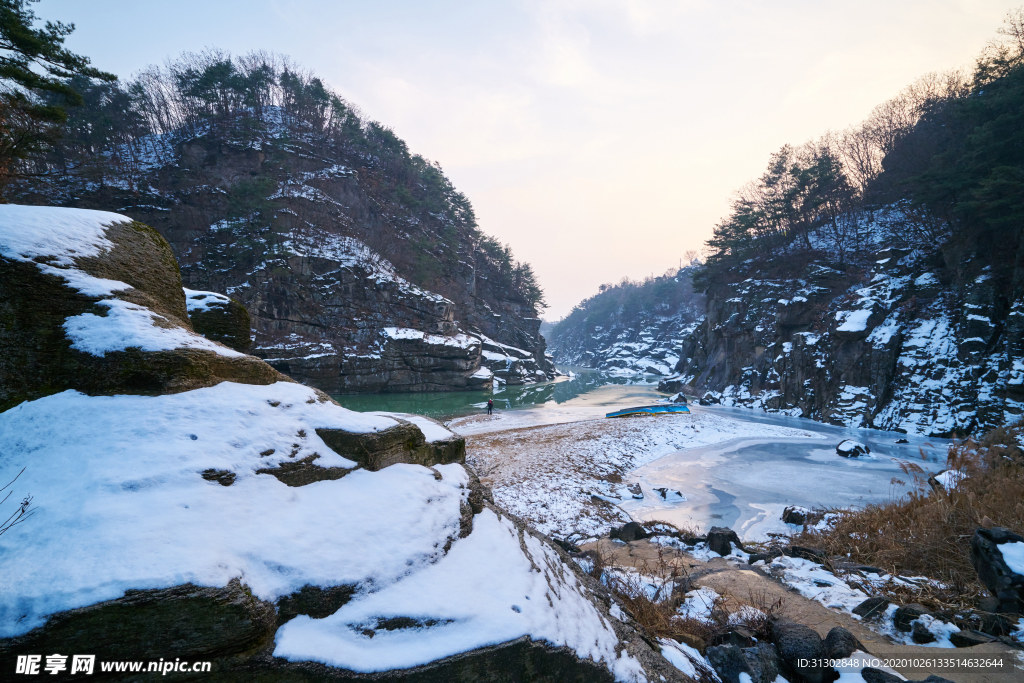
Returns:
(600,138)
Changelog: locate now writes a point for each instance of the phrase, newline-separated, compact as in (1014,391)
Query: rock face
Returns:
(897,346)
(1004,582)
(67,320)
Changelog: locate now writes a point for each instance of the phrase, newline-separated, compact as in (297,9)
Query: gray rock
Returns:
(728,662)
(871,675)
(721,539)
(760,662)
(920,634)
(840,643)
(631,531)
(905,614)
(872,608)
(849,448)
(796,643)
(1001,581)
(969,638)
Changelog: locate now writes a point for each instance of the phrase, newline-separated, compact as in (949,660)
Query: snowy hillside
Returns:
(631,328)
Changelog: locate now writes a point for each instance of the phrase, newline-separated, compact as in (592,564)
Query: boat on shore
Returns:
(663,409)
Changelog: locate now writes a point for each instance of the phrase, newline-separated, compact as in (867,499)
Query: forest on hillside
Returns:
(117,132)
(941,164)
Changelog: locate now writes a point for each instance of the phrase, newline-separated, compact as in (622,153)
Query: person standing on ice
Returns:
(490,406)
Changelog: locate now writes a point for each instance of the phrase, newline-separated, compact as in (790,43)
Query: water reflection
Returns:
(450,404)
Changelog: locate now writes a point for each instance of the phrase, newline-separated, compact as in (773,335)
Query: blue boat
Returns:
(666,408)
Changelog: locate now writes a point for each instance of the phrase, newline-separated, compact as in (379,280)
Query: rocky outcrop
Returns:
(220,318)
(69,321)
(631,328)
(895,345)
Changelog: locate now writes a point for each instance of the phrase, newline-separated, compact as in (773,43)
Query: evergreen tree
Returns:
(35,63)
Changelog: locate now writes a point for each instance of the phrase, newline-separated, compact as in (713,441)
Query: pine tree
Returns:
(35,63)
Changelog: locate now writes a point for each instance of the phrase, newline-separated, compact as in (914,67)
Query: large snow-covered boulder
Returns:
(134,551)
(92,301)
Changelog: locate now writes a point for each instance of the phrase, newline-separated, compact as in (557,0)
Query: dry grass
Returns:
(927,533)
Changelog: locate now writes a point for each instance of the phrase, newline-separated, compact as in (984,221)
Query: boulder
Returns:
(903,617)
(795,515)
(631,531)
(721,540)
(219,318)
(970,638)
(920,634)
(872,608)
(1003,579)
(800,647)
(110,319)
(840,644)
(848,448)
(635,491)
(760,663)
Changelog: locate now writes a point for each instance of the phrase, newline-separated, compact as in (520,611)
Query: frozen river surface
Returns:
(745,483)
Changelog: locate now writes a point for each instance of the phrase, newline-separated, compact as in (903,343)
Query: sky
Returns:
(601,139)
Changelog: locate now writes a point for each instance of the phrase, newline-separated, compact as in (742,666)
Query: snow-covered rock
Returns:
(93,302)
(848,448)
(219,318)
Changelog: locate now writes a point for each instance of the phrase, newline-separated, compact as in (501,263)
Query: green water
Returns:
(450,404)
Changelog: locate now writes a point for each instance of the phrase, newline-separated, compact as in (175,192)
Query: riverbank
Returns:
(568,479)
(568,470)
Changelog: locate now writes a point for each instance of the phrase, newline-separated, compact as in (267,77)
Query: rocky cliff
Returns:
(361,267)
(902,342)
